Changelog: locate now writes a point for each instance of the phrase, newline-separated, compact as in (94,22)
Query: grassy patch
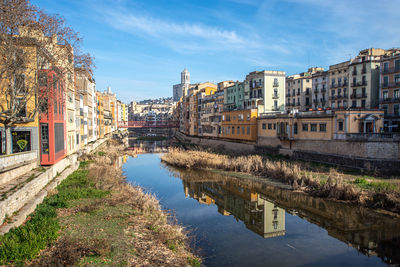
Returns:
(25,242)
(374,185)
(101,153)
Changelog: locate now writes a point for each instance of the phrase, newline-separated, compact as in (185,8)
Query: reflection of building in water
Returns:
(258,214)
(141,147)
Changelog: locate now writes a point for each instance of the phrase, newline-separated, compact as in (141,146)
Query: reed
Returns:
(333,185)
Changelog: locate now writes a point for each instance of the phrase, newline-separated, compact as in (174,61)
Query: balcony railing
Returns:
(362,83)
(389,100)
(390,85)
(275,108)
(368,136)
(358,95)
(275,84)
(307,92)
(354,72)
(288,95)
(298,93)
(275,96)
(363,71)
(390,70)
(316,91)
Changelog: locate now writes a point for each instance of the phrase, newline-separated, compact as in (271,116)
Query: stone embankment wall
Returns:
(380,156)
(24,200)
(14,165)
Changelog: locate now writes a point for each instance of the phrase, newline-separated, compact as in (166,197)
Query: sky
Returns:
(142,46)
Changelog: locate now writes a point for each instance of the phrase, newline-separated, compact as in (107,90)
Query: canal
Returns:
(245,222)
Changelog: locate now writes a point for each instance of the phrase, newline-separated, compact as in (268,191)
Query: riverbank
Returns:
(368,191)
(95,218)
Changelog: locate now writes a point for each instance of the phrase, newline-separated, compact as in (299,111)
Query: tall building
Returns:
(338,85)
(298,90)
(181,89)
(364,78)
(265,91)
(389,92)
(320,90)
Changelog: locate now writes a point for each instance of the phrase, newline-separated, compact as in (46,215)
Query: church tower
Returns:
(185,77)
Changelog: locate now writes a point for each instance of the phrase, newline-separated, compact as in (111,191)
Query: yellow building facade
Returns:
(240,125)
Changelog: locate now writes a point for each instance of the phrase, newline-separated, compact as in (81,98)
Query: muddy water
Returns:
(243,222)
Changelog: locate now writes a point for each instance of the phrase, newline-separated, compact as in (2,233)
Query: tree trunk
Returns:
(8,140)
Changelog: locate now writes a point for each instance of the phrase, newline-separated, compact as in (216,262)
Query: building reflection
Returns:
(142,147)
(254,210)
(371,232)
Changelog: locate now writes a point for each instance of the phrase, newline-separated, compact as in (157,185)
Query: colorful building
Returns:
(52,123)
(240,125)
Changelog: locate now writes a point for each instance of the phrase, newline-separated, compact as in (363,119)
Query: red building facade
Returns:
(52,123)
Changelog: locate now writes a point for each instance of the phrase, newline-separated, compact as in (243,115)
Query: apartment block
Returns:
(265,91)
(298,90)
(240,125)
(364,79)
(320,92)
(338,83)
(389,92)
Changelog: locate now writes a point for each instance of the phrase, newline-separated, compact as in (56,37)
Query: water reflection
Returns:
(141,146)
(258,214)
(262,209)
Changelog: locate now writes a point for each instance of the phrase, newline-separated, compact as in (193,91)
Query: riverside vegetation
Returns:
(363,190)
(95,218)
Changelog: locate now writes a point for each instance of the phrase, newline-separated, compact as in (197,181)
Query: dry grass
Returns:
(333,185)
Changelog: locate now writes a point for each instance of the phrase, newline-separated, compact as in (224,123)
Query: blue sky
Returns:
(142,46)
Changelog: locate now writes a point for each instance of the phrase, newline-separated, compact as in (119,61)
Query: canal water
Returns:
(245,222)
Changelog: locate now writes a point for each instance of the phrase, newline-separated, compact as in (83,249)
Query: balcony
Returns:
(316,91)
(323,90)
(354,72)
(307,92)
(356,96)
(275,84)
(275,96)
(390,70)
(345,83)
(298,93)
(288,95)
(283,136)
(362,83)
(315,101)
(385,100)
(363,71)
(256,85)
(275,108)
(390,85)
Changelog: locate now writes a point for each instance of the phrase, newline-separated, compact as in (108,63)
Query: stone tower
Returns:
(185,77)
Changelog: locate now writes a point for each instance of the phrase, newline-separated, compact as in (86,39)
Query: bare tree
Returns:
(32,40)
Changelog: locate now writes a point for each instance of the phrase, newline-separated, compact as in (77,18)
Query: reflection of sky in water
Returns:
(224,241)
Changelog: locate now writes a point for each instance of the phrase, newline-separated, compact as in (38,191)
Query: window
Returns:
(385,109)
(354,104)
(233,130)
(397,65)
(274,126)
(269,126)
(322,127)
(242,129)
(385,80)
(21,141)
(238,130)
(313,127)
(248,129)
(396,94)
(43,79)
(340,125)
(305,127)
(44,135)
(21,107)
(363,103)
(264,126)
(396,110)
(295,128)
(385,95)
(19,84)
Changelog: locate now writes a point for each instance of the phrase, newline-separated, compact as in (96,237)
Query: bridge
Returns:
(148,124)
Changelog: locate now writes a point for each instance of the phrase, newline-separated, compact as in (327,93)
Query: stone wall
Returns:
(14,165)
(217,144)
(33,192)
